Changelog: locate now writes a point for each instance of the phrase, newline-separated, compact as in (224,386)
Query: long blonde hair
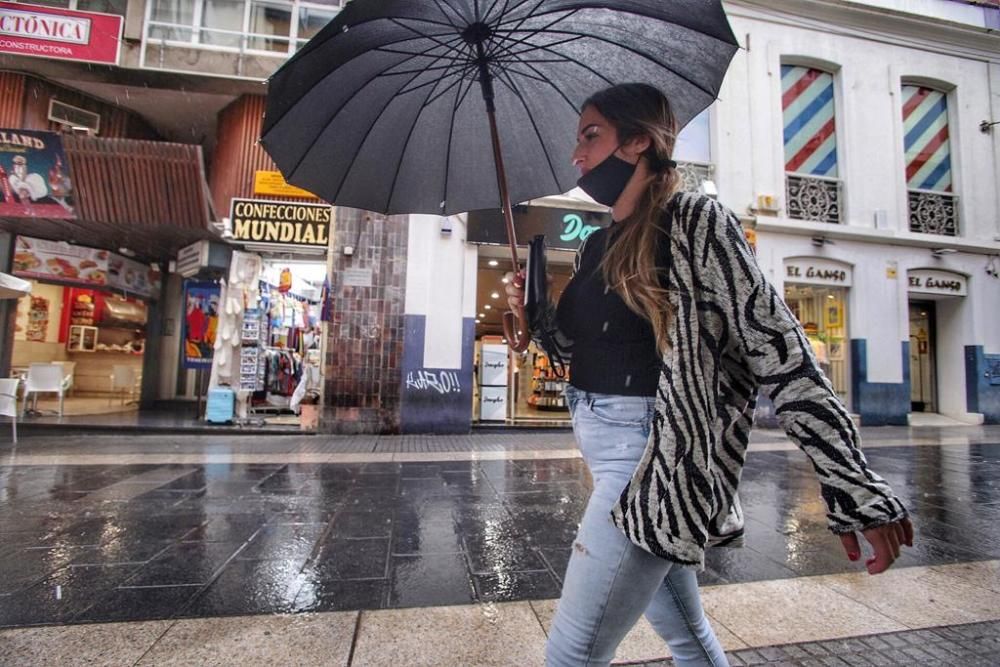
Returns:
(630,262)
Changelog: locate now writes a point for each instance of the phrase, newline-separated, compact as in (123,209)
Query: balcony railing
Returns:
(933,212)
(694,173)
(815,198)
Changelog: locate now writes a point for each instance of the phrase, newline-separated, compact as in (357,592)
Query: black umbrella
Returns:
(378,110)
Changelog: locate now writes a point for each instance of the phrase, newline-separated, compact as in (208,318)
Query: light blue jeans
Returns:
(610,582)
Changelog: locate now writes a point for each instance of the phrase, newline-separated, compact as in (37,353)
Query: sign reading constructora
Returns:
(49,32)
(281,223)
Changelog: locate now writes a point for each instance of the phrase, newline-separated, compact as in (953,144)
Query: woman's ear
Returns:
(636,146)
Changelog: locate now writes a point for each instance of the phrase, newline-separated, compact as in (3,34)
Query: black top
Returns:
(614,349)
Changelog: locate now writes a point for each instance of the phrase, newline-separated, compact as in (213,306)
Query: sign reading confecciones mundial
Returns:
(280,222)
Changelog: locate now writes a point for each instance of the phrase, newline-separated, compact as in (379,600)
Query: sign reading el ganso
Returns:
(281,223)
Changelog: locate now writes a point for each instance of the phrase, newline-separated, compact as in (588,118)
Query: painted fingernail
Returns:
(854,555)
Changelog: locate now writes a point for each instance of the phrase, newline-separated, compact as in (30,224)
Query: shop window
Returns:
(104,6)
(812,182)
(822,311)
(222,22)
(277,26)
(926,140)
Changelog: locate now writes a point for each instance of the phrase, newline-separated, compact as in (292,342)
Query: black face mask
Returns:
(605,182)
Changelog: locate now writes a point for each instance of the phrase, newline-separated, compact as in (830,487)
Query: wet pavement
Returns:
(146,541)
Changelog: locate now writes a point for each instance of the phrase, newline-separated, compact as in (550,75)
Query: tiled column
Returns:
(365,341)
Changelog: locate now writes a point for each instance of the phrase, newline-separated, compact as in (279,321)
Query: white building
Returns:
(861,142)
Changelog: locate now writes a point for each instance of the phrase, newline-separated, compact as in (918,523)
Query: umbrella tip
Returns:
(441,205)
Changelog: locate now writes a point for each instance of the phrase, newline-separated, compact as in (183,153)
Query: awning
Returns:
(12,287)
(148,196)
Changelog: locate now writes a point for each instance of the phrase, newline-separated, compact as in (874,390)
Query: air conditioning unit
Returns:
(75,118)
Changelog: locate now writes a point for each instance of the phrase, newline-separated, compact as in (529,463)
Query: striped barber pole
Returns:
(810,129)
(925,127)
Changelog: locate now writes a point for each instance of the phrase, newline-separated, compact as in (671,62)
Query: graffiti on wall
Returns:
(443,382)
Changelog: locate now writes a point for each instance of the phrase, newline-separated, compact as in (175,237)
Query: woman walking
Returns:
(672,329)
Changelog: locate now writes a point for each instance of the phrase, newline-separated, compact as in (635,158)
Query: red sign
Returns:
(48,32)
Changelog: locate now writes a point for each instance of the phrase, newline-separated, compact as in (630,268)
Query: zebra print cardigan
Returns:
(733,336)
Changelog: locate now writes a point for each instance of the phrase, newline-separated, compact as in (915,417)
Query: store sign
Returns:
(934,281)
(281,223)
(34,175)
(49,32)
(60,261)
(563,228)
(273,184)
(818,271)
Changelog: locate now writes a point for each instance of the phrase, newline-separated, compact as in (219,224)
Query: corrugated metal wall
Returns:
(237,154)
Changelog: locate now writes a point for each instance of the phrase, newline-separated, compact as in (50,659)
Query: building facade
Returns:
(858,142)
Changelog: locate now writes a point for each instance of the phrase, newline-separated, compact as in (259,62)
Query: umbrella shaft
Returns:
(508,213)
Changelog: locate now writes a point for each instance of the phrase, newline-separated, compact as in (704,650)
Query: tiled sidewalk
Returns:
(972,645)
(936,623)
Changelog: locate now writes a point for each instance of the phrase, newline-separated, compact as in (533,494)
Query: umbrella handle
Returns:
(515,328)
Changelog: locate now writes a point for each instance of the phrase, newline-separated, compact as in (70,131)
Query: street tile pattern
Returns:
(970,645)
(244,538)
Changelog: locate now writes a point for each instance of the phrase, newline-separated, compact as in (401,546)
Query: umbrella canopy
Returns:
(386,108)
(12,287)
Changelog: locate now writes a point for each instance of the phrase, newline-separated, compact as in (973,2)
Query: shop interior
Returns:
(84,345)
(532,388)
(822,311)
(923,367)
(280,356)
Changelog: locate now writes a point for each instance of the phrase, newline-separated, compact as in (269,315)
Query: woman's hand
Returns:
(885,540)
(515,292)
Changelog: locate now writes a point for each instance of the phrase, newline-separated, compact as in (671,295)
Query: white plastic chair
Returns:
(46,378)
(123,378)
(8,402)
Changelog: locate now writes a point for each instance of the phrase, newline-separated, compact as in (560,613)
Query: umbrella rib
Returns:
(445,14)
(433,38)
(413,54)
(506,80)
(460,77)
(521,20)
(559,90)
(357,152)
(416,119)
(636,52)
(447,155)
(408,39)
(486,14)
(509,48)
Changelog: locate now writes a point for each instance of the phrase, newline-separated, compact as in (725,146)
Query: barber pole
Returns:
(928,149)
(810,130)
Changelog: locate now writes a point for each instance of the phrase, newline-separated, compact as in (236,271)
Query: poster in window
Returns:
(833,316)
(201,321)
(34,176)
(38,319)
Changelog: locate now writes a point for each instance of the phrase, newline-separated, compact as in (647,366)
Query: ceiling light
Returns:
(493,262)
(477,320)
(504,280)
(495,295)
(487,307)
(482,316)
(830,296)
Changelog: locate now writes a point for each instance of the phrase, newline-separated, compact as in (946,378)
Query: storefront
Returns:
(271,312)
(816,291)
(927,288)
(521,389)
(83,329)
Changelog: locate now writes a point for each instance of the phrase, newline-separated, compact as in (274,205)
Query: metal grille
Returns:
(933,213)
(693,173)
(813,198)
